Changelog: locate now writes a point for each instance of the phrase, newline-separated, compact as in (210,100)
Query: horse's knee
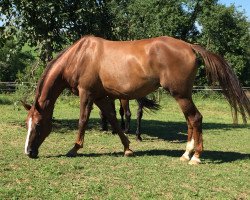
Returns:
(82,124)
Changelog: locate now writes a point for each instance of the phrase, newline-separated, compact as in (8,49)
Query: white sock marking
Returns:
(189,149)
(190,145)
(194,158)
(28,136)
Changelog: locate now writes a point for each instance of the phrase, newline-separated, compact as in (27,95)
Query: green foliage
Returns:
(150,18)
(27,82)
(50,25)
(226,31)
(13,61)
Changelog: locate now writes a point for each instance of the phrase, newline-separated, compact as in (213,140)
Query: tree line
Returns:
(48,26)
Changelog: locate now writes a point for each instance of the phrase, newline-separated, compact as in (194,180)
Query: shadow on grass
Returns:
(170,131)
(4,101)
(217,157)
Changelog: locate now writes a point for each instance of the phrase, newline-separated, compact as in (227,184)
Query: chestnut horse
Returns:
(125,110)
(99,70)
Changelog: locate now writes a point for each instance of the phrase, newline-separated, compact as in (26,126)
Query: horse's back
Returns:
(135,68)
(132,69)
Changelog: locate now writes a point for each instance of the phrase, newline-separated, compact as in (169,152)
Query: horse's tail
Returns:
(150,104)
(218,70)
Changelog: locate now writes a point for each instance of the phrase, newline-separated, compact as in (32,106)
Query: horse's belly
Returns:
(128,78)
(130,89)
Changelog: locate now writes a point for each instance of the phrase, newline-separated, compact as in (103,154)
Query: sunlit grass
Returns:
(101,171)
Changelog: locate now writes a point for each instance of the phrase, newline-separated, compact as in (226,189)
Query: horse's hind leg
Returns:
(104,122)
(194,122)
(122,115)
(126,111)
(127,116)
(139,117)
(190,143)
(86,103)
(106,107)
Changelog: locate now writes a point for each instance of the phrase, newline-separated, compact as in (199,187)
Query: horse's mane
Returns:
(46,71)
(50,65)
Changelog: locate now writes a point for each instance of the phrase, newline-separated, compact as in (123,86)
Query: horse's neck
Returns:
(52,87)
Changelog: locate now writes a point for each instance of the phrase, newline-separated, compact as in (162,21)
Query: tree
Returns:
(13,61)
(226,32)
(149,18)
(49,25)
(36,23)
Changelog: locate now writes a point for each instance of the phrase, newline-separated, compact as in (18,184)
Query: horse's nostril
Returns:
(33,154)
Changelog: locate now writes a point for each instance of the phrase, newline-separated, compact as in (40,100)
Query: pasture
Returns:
(101,172)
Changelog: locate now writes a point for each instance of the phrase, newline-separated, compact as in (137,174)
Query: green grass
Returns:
(101,172)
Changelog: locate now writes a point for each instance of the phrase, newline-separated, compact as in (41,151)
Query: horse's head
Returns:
(39,127)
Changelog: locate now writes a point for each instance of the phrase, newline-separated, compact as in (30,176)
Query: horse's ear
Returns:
(26,106)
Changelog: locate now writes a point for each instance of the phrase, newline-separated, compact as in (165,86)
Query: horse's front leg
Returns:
(105,104)
(86,103)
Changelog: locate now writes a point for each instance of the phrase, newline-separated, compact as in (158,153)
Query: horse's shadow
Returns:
(4,101)
(217,157)
(170,131)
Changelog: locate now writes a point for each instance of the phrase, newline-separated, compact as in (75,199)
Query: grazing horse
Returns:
(125,110)
(100,70)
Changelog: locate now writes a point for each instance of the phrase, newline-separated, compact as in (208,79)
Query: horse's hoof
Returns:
(128,153)
(194,161)
(184,159)
(71,154)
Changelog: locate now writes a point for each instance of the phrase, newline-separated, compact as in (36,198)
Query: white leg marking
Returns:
(28,136)
(194,160)
(189,149)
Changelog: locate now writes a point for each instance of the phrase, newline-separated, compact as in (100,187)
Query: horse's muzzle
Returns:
(33,154)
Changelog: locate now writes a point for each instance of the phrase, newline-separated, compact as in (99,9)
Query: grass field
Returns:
(101,172)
